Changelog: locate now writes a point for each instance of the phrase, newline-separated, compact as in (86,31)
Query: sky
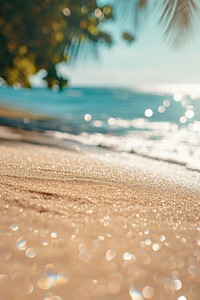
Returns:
(149,61)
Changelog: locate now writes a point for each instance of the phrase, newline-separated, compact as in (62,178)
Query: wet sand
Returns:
(9,112)
(77,224)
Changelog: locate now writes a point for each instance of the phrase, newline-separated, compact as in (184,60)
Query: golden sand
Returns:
(80,225)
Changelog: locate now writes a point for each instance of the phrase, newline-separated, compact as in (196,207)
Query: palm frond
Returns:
(178,19)
(82,50)
(128,10)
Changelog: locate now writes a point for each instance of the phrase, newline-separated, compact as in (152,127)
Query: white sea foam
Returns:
(156,140)
(156,125)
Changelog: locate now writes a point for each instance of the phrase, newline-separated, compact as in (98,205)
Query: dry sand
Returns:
(80,225)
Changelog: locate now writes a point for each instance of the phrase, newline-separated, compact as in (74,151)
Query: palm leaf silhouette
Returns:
(178,17)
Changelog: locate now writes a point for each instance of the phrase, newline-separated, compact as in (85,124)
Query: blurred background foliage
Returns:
(38,34)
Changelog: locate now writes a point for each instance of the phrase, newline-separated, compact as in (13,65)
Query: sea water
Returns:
(164,126)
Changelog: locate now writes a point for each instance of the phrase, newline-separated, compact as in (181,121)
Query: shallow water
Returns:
(160,126)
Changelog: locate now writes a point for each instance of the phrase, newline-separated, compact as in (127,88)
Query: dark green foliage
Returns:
(37,34)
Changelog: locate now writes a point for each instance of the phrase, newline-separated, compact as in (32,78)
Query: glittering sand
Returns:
(80,225)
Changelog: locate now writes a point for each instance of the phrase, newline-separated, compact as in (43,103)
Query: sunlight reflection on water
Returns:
(159,126)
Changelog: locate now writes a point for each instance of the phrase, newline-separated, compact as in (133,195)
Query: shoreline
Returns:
(16,113)
(96,226)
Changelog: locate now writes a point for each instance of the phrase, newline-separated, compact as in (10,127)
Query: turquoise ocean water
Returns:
(164,126)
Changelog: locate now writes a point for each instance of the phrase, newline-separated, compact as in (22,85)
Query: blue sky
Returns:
(147,61)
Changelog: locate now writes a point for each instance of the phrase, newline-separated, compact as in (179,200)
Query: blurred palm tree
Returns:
(39,34)
(177,17)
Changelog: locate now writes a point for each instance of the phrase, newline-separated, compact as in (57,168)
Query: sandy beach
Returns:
(78,224)
(99,150)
